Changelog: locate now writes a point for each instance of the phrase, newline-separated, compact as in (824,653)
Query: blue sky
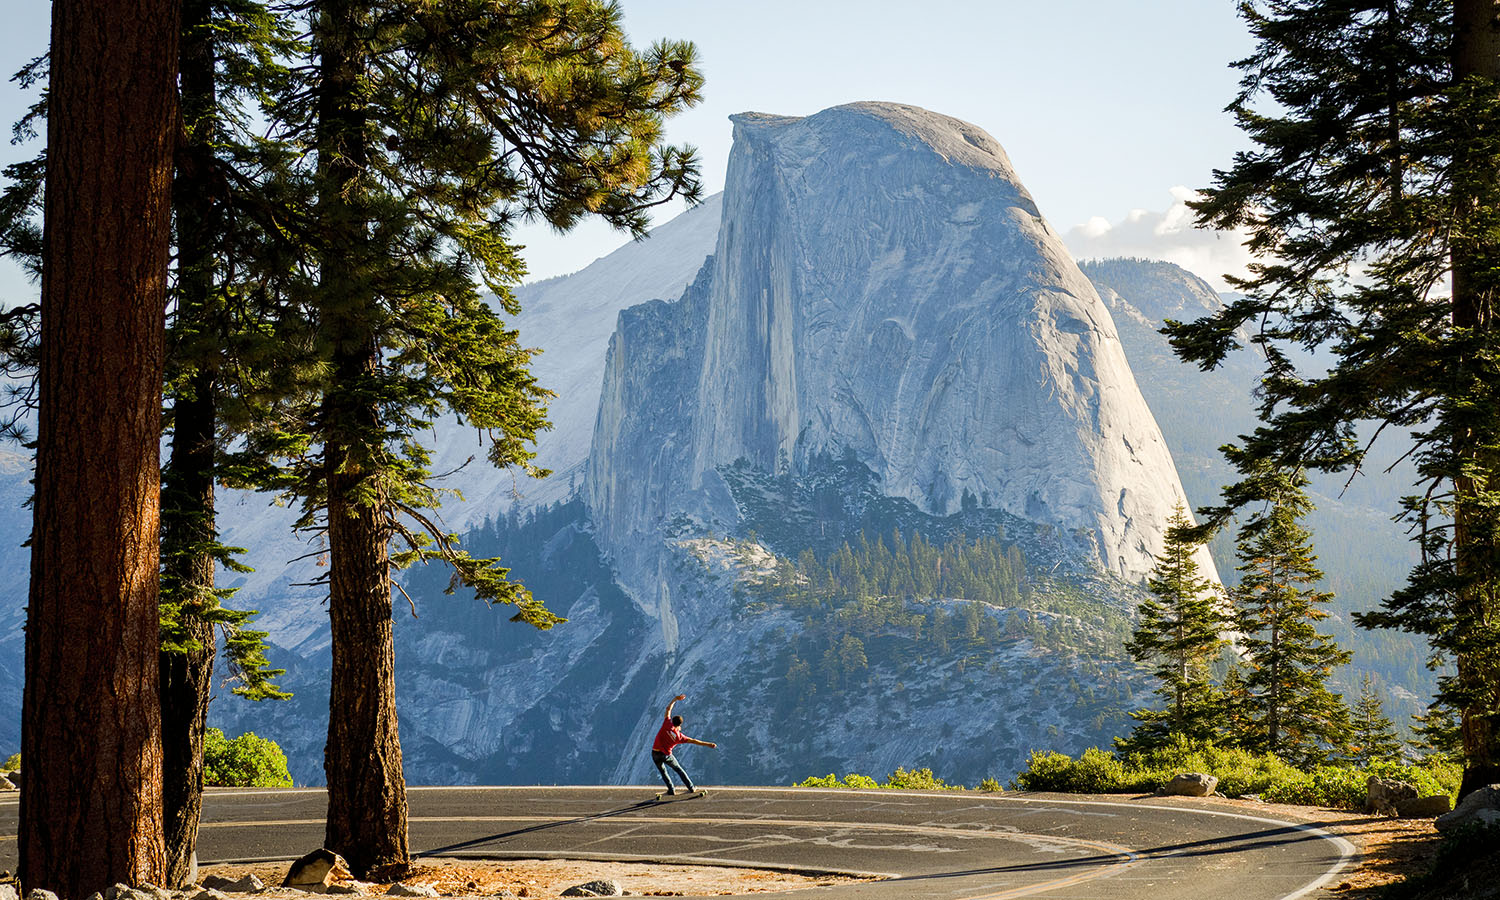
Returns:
(1104,107)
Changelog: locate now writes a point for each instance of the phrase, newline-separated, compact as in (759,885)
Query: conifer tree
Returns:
(1179,635)
(1277,606)
(434,128)
(1372,736)
(1373,200)
(91,789)
(1437,734)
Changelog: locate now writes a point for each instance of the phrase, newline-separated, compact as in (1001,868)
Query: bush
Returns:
(1240,772)
(12,763)
(1095,772)
(901,779)
(989,786)
(246,761)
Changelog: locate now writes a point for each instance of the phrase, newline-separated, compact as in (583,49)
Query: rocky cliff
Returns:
(882,285)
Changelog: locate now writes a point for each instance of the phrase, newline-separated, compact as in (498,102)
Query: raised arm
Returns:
(673,703)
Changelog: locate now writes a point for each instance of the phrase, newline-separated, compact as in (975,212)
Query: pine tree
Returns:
(1437,734)
(1372,736)
(434,127)
(1373,199)
(1277,603)
(90,719)
(1179,635)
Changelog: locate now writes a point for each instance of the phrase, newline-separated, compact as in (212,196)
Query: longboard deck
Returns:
(680,795)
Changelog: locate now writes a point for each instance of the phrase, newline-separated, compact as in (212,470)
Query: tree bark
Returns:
(367,813)
(188,528)
(91,801)
(1476,53)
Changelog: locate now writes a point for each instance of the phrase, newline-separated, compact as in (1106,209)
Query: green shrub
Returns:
(246,761)
(1240,772)
(901,779)
(989,786)
(12,763)
(917,780)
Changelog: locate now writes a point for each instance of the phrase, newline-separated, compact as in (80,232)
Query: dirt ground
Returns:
(541,878)
(1390,849)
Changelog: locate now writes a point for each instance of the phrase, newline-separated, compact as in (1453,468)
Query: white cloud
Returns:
(1167,235)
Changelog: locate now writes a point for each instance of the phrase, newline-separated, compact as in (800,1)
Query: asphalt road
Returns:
(938,846)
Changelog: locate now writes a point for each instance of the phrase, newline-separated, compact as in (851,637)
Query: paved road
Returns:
(934,846)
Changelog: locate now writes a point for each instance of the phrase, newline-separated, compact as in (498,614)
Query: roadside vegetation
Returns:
(901,779)
(1241,773)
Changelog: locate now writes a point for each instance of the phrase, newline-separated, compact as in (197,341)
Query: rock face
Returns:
(883,285)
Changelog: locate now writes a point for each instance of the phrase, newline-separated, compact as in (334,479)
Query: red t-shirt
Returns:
(668,737)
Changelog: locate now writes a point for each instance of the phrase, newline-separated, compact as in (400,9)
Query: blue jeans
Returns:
(663,760)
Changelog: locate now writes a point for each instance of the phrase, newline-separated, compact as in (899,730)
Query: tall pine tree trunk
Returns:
(91,800)
(186,676)
(362,760)
(188,528)
(1476,52)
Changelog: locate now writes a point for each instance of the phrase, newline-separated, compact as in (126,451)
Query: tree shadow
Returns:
(465,845)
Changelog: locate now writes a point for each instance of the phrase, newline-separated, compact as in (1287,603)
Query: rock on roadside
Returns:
(1189,784)
(600,888)
(1481,805)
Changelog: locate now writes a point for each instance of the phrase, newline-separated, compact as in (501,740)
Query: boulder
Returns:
(40,894)
(210,894)
(1481,805)
(247,884)
(600,888)
(1189,784)
(412,890)
(1423,807)
(1382,795)
(316,871)
(8,891)
(7,785)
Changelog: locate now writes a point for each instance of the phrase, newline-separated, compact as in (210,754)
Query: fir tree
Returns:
(1294,715)
(1437,734)
(1373,201)
(1179,636)
(1372,736)
(434,128)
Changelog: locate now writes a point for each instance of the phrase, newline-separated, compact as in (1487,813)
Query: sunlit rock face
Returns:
(884,285)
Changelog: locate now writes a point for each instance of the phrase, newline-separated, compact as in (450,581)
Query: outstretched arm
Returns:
(698,742)
(674,701)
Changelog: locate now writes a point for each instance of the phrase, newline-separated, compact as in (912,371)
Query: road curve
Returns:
(932,846)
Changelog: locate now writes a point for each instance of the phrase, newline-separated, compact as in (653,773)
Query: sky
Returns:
(1111,112)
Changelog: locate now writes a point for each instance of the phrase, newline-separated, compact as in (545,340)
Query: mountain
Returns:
(884,285)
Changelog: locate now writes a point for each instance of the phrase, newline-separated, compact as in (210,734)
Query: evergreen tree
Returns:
(433,128)
(90,717)
(1437,734)
(1372,736)
(1278,606)
(1373,199)
(1179,635)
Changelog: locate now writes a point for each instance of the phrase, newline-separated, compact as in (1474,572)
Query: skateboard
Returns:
(664,797)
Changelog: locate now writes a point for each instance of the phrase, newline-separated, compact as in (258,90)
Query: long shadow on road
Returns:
(1270,837)
(464,845)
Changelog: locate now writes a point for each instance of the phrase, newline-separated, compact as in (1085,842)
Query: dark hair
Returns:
(677,720)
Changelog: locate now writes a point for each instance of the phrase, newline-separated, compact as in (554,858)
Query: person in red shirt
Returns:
(669,736)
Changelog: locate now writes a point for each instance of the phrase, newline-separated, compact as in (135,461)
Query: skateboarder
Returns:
(669,736)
